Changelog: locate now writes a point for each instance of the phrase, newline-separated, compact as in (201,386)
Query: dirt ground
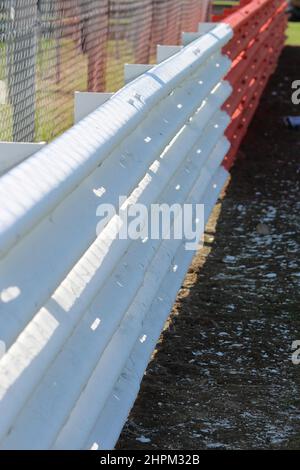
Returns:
(222,375)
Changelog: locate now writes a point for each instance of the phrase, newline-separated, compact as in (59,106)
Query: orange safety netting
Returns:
(51,48)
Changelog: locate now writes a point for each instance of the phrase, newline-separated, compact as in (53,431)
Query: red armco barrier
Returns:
(259,27)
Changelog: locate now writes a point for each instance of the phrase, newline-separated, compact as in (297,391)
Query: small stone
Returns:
(262,229)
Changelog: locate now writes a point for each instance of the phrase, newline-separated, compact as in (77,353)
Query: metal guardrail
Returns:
(258,27)
(81,314)
(79,319)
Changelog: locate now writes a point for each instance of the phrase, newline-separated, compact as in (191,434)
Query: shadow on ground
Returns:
(222,376)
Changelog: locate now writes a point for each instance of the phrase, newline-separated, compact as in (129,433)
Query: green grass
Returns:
(225,3)
(119,52)
(55,97)
(293,34)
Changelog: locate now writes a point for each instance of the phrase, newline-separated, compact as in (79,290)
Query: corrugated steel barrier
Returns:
(258,27)
(80,314)
(80,311)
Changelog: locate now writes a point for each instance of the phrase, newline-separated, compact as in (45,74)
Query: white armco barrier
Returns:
(80,314)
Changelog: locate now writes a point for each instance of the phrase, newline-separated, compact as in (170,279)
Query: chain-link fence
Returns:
(50,48)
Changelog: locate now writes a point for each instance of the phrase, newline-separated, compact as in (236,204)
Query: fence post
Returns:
(21,66)
(94,32)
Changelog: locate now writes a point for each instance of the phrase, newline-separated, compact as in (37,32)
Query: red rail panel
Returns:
(259,27)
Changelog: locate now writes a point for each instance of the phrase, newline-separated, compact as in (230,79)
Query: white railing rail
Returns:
(80,313)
